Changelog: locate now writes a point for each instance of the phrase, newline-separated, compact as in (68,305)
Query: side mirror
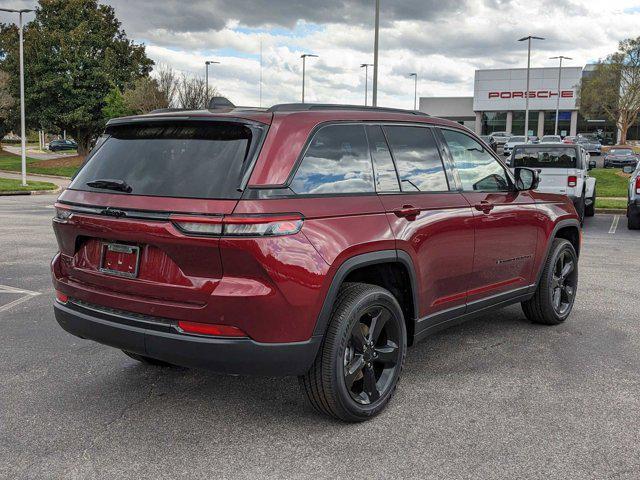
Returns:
(592,164)
(526,179)
(628,169)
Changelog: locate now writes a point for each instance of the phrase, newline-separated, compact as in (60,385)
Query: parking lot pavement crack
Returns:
(121,414)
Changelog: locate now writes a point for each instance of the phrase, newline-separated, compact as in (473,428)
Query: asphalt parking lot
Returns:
(493,398)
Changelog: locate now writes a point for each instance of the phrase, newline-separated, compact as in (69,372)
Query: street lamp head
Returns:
(530,37)
(11,10)
(560,57)
(305,55)
(366,65)
(413,74)
(209,62)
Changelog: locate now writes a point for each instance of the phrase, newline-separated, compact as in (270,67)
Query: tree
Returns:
(145,96)
(613,88)
(115,105)
(168,83)
(192,93)
(7,103)
(75,53)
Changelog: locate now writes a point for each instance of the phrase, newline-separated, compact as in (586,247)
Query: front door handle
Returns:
(484,206)
(407,211)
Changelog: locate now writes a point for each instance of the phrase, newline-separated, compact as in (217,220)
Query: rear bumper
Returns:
(159,340)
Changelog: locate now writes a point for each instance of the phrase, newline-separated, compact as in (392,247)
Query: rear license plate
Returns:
(119,259)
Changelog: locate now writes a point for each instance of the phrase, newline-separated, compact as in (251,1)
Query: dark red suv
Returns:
(310,240)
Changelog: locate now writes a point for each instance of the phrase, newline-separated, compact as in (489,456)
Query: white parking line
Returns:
(26,295)
(614,224)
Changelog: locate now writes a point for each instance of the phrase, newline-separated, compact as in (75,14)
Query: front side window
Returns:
(417,159)
(477,168)
(337,161)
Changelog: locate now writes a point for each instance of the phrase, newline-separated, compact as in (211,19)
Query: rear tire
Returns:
(147,360)
(553,301)
(361,357)
(633,221)
(590,210)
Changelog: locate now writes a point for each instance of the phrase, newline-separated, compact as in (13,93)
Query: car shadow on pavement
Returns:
(480,344)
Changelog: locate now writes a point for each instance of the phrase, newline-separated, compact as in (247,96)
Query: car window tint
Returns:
(386,178)
(477,168)
(336,161)
(417,159)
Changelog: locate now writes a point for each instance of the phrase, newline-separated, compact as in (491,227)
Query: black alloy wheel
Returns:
(372,355)
(563,283)
(358,366)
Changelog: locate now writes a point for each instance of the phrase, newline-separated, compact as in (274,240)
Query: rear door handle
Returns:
(407,211)
(484,206)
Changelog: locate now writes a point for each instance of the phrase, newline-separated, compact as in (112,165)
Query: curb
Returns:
(612,210)
(31,192)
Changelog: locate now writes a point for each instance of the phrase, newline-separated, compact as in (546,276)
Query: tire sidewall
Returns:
(561,247)
(377,297)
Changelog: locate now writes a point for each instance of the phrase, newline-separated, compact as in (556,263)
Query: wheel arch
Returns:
(390,269)
(568,229)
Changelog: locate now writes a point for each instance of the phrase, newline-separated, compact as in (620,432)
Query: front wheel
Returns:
(359,363)
(553,301)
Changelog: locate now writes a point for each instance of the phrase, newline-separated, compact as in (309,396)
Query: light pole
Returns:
(415,90)
(366,80)
(304,66)
(23,132)
(526,93)
(561,57)
(206,79)
(375,54)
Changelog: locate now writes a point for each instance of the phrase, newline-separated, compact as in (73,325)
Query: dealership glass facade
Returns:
(564,123)
(517,127)
(494,122)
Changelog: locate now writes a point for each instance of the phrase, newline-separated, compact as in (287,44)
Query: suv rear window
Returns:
(197,159)
(540,157)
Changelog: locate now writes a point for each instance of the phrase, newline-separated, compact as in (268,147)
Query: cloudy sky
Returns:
(443,41)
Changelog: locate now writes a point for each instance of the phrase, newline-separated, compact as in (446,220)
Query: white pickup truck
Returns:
(563,169)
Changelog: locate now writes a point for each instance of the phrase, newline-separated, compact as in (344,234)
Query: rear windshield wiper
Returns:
(109,184)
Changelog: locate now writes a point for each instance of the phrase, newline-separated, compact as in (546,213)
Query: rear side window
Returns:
(539,157)
(417,159)
(185,159)
(336,161)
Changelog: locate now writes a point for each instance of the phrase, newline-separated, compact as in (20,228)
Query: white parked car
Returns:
(512,142)
(564,169)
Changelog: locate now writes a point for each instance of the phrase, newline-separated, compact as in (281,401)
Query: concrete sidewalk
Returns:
(37,154)
(59,181)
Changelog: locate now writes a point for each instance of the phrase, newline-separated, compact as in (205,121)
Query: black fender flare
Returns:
(359,261)
(570,222)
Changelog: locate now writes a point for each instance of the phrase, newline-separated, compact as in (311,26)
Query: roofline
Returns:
(306,107)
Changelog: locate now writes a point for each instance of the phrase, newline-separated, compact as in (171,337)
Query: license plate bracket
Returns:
(120,259)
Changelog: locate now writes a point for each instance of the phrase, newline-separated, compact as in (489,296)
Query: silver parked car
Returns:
(590,143)
(633,203)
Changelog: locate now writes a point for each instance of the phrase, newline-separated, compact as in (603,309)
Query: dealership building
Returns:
(498,103)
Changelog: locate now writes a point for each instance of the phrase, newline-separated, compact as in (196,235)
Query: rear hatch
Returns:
(555,164)
(120,224)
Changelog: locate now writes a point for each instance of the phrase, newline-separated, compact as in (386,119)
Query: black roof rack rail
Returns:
(168,110)
(305,107)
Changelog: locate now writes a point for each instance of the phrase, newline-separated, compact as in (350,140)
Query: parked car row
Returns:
(60,145)
(591,144)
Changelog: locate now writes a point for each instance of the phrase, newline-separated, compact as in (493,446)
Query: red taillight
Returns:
(239,226)
(210,329)
(572,180)
(638,184)
(61,297)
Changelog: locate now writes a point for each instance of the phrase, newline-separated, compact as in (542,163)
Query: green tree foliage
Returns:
(9,106)
(75,53)
(613,88)
(115,105)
